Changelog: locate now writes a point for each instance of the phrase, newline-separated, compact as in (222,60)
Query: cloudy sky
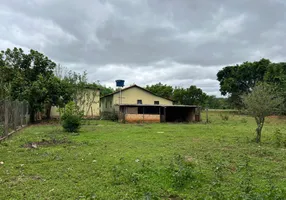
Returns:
(177,42)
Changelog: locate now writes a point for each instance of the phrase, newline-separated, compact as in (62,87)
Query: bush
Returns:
(71,123)
(224,117)
(243,120)
(71,119)
(113,116)
(182,172)
(279,138)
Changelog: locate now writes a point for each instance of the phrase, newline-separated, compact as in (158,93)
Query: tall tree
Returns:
(276,74)
(217,102)
(5,86)
(161,90)
(261,102)
(189,96)
(31,78)
(239,79)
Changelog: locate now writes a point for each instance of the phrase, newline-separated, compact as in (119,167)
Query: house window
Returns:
(156,102)
(139,101)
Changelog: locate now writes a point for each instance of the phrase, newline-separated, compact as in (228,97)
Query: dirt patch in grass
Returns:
(196,139)
(47,122)
(174,197)
(189,159)
(277,117)
(45,142)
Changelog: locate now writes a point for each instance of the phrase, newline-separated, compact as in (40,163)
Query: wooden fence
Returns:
(14,115)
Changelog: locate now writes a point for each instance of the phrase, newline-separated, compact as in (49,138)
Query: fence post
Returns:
(6,118)
(207,115)
(21,113)
(27,113)
(15,115)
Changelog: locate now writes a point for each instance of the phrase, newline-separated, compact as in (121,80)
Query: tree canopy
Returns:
(241,79)
(186,96)
(161,90)
(28,75)
(32,76)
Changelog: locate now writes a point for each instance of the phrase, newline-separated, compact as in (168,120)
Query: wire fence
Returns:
(14,115)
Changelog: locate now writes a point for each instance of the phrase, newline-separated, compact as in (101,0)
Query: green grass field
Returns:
(108,160)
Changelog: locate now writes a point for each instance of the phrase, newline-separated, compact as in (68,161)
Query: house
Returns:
(88,101)
(136,104)
(130,95)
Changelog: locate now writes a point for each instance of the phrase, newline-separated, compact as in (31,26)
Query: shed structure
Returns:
(158,113)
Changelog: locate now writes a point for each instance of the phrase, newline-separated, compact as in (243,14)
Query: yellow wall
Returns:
(130,96)
(89,104)
(106,104)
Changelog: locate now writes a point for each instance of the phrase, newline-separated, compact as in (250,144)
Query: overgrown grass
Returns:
(108,160)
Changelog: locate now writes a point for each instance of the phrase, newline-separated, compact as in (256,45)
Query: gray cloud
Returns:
(178,42)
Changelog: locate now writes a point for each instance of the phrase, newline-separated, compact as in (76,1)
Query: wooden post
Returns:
(27,116)
(143,113)
(6,116)
(21,109)
(207,115)
(15,115)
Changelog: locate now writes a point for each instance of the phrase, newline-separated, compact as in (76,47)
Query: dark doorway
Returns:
(180,114)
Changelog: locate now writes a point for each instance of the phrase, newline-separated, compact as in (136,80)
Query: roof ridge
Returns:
(134,85)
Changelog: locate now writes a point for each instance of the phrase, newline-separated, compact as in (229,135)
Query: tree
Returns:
(261,102)
(240,79)
(5,89)
(189,96)
(30,77)
(217,102)
(105,90)
(59,93)
(276,74)
(162,90)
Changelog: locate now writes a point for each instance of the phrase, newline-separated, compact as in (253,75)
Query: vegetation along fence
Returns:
(14,115)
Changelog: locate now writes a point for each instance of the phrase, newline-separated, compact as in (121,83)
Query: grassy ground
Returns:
(109,160)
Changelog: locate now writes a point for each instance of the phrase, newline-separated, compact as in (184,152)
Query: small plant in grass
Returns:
(182,172)
(224,117)
(279,138)
(243,120)
(71,119)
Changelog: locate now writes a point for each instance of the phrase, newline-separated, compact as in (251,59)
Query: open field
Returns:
(108,160)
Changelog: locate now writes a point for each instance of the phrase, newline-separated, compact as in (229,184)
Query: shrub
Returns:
(243,120)
(72,123)
(279,138)
(224,117)
(71,119)
(113,116)
(182,172)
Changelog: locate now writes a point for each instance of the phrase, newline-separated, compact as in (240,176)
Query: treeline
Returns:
(188,96)
(35,78)
(238,80)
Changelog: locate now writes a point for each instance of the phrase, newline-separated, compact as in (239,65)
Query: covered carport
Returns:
(159,113)
(182,113)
